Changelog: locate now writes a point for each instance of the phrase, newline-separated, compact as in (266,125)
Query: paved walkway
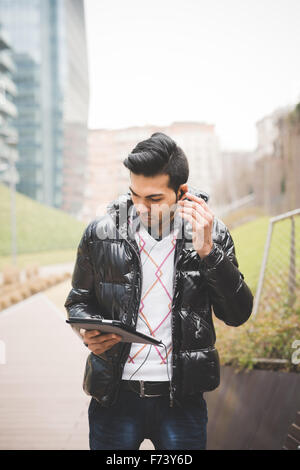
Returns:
(42,404)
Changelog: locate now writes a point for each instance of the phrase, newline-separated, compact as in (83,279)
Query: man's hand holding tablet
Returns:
(99,342)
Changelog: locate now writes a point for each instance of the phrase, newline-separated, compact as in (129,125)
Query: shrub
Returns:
(269,336)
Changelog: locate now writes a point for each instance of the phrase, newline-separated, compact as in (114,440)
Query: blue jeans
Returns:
(132,419)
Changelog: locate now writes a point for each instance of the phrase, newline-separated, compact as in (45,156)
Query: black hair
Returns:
(159,155)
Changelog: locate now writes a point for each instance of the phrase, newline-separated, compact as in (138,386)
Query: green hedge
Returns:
(269,336)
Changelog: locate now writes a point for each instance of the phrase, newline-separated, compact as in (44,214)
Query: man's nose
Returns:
(142,209)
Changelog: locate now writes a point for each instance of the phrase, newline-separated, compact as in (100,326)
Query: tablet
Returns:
(128,333)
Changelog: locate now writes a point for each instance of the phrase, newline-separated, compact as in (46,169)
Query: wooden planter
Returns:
(258,409)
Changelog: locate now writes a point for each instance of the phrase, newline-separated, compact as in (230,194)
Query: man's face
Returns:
(153,199)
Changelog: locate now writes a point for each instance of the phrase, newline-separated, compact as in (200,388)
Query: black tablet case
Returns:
(128,334)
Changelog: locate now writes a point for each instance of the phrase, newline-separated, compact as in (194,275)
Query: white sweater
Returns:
(157,258)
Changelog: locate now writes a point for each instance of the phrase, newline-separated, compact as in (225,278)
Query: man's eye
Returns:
(155,200)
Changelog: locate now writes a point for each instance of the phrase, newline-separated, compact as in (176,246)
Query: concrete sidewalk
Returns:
(42,404)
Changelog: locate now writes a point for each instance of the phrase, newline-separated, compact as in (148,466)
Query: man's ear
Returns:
(183,188)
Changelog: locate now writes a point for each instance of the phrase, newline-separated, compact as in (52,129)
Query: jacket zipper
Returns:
(172,322)
(136,313)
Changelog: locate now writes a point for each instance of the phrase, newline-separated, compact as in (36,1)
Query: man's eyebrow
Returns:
(150,195)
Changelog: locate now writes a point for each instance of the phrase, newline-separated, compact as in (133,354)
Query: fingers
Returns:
(99,348)
(104,338)
(98,342)
(194,208)
(81,332)
(198,231)
(197,199)
(202,221)
(91,334)
(199,202)
(193,221)
(88,333)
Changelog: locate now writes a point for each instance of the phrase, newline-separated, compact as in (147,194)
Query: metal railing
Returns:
(279,280)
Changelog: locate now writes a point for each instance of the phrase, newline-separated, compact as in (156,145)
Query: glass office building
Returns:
(49,40)
(8,114)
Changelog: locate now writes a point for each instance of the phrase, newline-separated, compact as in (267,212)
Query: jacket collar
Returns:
(126,219)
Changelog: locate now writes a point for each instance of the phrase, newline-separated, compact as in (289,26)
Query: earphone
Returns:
(182,193)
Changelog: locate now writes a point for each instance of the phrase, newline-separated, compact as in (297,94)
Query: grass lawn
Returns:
(249,240)
(40,228)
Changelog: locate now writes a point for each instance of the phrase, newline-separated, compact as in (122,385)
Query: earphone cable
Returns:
(147,358)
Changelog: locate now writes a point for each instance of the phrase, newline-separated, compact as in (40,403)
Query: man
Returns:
(160,268)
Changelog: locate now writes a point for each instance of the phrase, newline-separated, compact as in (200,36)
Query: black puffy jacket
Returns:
(107,281)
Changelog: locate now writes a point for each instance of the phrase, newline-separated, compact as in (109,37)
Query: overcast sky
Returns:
(226,62)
